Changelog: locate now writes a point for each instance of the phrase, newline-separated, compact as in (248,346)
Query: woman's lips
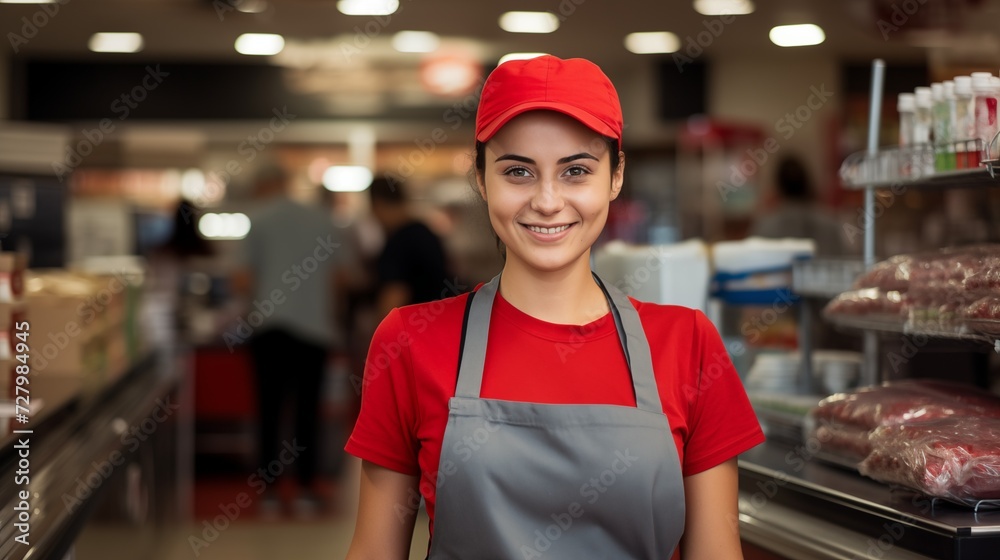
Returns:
(548,233)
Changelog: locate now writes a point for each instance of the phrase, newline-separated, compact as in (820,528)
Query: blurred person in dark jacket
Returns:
(798,215)
(412,267)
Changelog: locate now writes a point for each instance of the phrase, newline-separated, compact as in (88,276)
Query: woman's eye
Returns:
(577,171)
(517,172)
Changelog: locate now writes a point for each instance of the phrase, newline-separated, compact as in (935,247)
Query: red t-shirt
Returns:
(413,365)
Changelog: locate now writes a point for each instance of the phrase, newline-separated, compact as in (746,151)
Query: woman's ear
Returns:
(618,177)
(480,183)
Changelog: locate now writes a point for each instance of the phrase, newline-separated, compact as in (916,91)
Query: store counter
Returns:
(798,507)
(107,457)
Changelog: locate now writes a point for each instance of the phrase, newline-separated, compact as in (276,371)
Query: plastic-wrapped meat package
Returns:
(985,279)
(923,291)
(892,403)
(844,420)
(956,458)
(889,275)
(870,303)
(843,441)
(983,315)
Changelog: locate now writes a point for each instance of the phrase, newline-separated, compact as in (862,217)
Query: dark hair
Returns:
(479,169)
(388,190)
(184,240)
(793,180)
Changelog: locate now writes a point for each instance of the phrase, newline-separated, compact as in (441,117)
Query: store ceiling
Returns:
(200,30)
(348,63)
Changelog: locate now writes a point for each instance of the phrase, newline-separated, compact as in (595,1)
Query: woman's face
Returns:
(548,183)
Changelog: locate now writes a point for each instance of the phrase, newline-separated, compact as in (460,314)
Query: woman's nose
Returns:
(547,199)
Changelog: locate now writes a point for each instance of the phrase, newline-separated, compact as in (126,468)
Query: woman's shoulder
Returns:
(686,325)
(431,318)
(659,312)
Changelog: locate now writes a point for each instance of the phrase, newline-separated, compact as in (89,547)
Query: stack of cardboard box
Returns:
(78,324)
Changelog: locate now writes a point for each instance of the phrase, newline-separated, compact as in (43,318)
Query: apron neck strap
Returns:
(630,333)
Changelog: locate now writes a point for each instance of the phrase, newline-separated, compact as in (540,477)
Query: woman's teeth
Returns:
(548,229)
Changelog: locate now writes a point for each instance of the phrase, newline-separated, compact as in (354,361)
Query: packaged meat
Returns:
(923,292)
(982,315)
(898,402)
(872,304)
(849,443)
(889,275)
(845,420)
(956,458)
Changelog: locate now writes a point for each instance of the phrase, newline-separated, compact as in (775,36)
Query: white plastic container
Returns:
(774,373)
(757,270)
(906,104)
(945,153)
(963,124)
(676,274)
(923,163)
(985,94)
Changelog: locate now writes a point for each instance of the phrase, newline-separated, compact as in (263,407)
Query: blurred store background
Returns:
(134,136)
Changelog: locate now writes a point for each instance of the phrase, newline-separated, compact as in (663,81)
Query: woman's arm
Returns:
(711,526)
(385,515)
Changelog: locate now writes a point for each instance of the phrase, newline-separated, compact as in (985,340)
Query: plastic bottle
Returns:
(906,104)
(939,125)
(923,162)
(947,138)
(963,124)
(986,109)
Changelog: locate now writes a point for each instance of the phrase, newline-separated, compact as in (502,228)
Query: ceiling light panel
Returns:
(652,42)
(799,35)
(260,44)
(724,7)
(529,22)
(415,41)
(115,42)
(367,7)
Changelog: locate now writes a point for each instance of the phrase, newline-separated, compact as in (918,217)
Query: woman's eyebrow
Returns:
(514,157)
(581,155)
(567,159)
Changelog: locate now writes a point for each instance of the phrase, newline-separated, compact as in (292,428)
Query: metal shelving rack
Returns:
(982,177)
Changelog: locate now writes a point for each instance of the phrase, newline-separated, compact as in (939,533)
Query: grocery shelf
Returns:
(959,178)
(900,327)
(791,499)
(825,278)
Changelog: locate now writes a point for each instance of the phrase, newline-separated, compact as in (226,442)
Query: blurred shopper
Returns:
(798,215)
(412,267)
(503,407)
(294,261)
(183,256)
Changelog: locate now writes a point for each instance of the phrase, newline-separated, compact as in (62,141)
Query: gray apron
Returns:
(521,480)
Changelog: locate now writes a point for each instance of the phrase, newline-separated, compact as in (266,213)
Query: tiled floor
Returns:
(248,537)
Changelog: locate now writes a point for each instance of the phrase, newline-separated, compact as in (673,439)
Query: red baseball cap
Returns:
(575,87)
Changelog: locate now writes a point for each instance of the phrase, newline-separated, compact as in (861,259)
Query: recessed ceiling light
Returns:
(115,42)
(415,41)
(519,56)
(652,42)
(367,7)
(529,22)
(260,44)
(250,6)
(724,7)
(347,178)
(800,35)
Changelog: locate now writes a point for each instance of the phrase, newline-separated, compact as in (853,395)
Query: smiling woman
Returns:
(548,191)
(533,416)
